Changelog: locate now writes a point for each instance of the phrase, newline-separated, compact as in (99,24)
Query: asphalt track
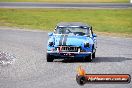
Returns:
(64,5)
(30,69)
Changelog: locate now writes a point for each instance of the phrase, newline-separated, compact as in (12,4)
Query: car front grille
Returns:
(68,48)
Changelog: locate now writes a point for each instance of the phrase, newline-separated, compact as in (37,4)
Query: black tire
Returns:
(88,58)
(93,52)
(93,55)
(81,80)
(49,58)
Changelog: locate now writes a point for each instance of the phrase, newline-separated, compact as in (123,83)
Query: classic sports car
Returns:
(71,40)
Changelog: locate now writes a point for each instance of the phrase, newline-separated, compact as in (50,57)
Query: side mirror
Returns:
(50,34)
(94,35)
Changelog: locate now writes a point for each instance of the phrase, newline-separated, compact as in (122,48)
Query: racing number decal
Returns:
(63,39)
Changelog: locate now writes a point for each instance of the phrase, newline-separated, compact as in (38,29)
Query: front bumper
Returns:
(68,54)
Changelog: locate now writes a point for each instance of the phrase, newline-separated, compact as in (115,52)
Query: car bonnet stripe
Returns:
(61,38)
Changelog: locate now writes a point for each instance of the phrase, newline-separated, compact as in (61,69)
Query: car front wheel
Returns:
(88,58)
(49,58)
(93,52)
(93,55)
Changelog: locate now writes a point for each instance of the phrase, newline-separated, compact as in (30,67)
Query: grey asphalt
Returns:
(63,5)
(30,69)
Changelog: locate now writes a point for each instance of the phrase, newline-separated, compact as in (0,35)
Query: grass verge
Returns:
(102,20)
(67,1)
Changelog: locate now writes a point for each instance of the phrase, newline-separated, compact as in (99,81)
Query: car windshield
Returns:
(73,30)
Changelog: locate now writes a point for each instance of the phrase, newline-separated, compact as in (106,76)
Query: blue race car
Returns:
(71,40)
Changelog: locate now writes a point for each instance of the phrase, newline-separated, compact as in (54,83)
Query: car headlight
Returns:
(51,43)
(86,44)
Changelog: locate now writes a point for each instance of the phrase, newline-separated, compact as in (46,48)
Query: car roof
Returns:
(65,24)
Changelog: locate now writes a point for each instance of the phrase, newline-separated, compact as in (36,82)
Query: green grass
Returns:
(83,1)
(114,21)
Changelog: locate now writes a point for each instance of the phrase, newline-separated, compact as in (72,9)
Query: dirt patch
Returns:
(6,58)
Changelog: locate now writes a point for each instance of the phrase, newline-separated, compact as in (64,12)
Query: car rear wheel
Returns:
(49,58)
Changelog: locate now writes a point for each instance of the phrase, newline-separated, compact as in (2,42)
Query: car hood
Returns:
(71,40)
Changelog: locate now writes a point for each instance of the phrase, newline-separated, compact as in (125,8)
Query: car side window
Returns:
(58,30)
